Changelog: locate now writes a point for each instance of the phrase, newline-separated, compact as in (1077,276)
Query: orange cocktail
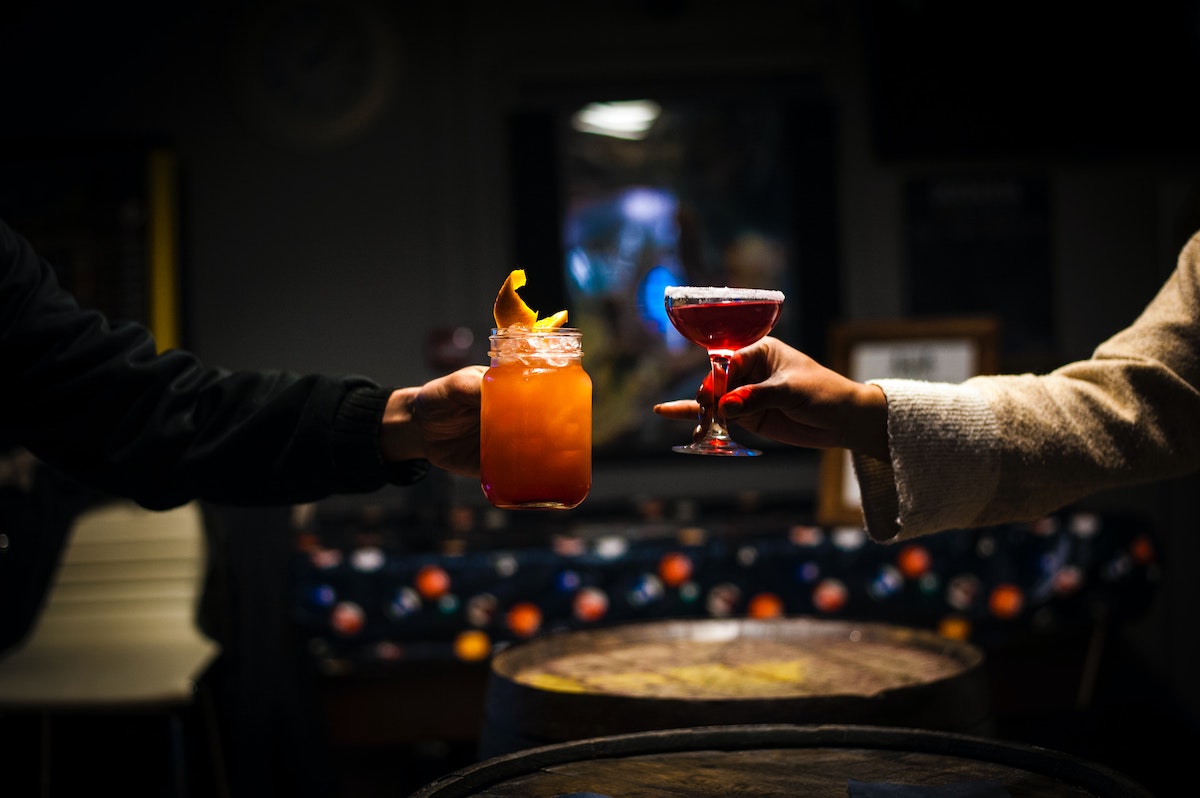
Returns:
(536,420)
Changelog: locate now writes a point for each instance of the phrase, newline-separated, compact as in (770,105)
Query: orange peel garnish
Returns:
(510,309)
(551,322)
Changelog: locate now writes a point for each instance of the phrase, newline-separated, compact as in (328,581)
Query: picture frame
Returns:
(950,349)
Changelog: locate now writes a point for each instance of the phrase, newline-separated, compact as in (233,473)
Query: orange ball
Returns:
(954,627)
(674,569)
(1006,601)
(432,582)
(765,605)
(472,645)
(524,619)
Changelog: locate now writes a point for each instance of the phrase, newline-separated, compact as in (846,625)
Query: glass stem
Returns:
(720,382)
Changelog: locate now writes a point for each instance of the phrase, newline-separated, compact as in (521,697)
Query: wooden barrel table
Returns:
(684,674)
(824,761)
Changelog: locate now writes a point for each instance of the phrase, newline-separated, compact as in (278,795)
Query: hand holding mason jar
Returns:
(536,409)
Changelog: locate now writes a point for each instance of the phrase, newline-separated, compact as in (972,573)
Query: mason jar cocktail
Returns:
(536,420)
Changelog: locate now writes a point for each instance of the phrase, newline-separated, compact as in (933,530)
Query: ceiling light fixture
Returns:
(631,119)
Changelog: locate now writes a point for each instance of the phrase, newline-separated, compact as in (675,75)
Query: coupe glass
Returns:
(722,320)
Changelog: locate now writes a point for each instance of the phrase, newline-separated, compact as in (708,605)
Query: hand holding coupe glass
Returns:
(722,320)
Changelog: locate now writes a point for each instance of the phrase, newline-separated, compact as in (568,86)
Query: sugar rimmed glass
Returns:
(722,320)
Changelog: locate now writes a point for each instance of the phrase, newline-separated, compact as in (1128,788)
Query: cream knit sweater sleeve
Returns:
(1014,447)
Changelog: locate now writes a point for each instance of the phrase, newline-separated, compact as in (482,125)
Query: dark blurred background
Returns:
(353,179)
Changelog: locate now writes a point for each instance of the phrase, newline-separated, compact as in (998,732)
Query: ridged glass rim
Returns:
(527,331)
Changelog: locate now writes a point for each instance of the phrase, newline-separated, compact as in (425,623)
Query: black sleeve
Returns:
(95,399)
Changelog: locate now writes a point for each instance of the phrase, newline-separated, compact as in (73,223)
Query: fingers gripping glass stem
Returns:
(713,433)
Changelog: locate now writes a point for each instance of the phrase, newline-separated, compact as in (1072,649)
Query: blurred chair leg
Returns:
(213,735)
(1092,660)
(44,778)
(178,754)
(1091,664)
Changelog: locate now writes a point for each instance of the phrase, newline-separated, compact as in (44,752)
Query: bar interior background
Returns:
(339,211)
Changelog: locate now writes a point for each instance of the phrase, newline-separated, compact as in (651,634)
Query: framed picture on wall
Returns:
(935,350)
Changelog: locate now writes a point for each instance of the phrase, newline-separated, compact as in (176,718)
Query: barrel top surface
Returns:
(736,659)
(775,760)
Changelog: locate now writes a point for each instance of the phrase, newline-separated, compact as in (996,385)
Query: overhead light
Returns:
(631,119)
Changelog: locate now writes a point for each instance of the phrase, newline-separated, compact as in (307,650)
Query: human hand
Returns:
(438,421)
(783,394)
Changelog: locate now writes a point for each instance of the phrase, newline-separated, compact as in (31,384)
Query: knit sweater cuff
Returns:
(356,451)
(944,468)
(880,504)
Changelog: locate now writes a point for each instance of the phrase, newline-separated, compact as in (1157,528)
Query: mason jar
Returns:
(536,420)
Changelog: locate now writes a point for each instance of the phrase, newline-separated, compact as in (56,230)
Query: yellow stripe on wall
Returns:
(163,248)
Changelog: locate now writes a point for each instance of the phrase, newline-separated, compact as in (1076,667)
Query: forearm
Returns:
(233,438)
(1013,448)
(97,400)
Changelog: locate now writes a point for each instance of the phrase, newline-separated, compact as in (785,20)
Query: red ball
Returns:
(830,595)
(432,582)
(590,604)
(674,569)
(913,561)
(765,605)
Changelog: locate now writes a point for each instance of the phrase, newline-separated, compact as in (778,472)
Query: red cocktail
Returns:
(722,320)
(724,326)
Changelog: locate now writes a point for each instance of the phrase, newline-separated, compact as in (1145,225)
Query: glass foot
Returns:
(719,448)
